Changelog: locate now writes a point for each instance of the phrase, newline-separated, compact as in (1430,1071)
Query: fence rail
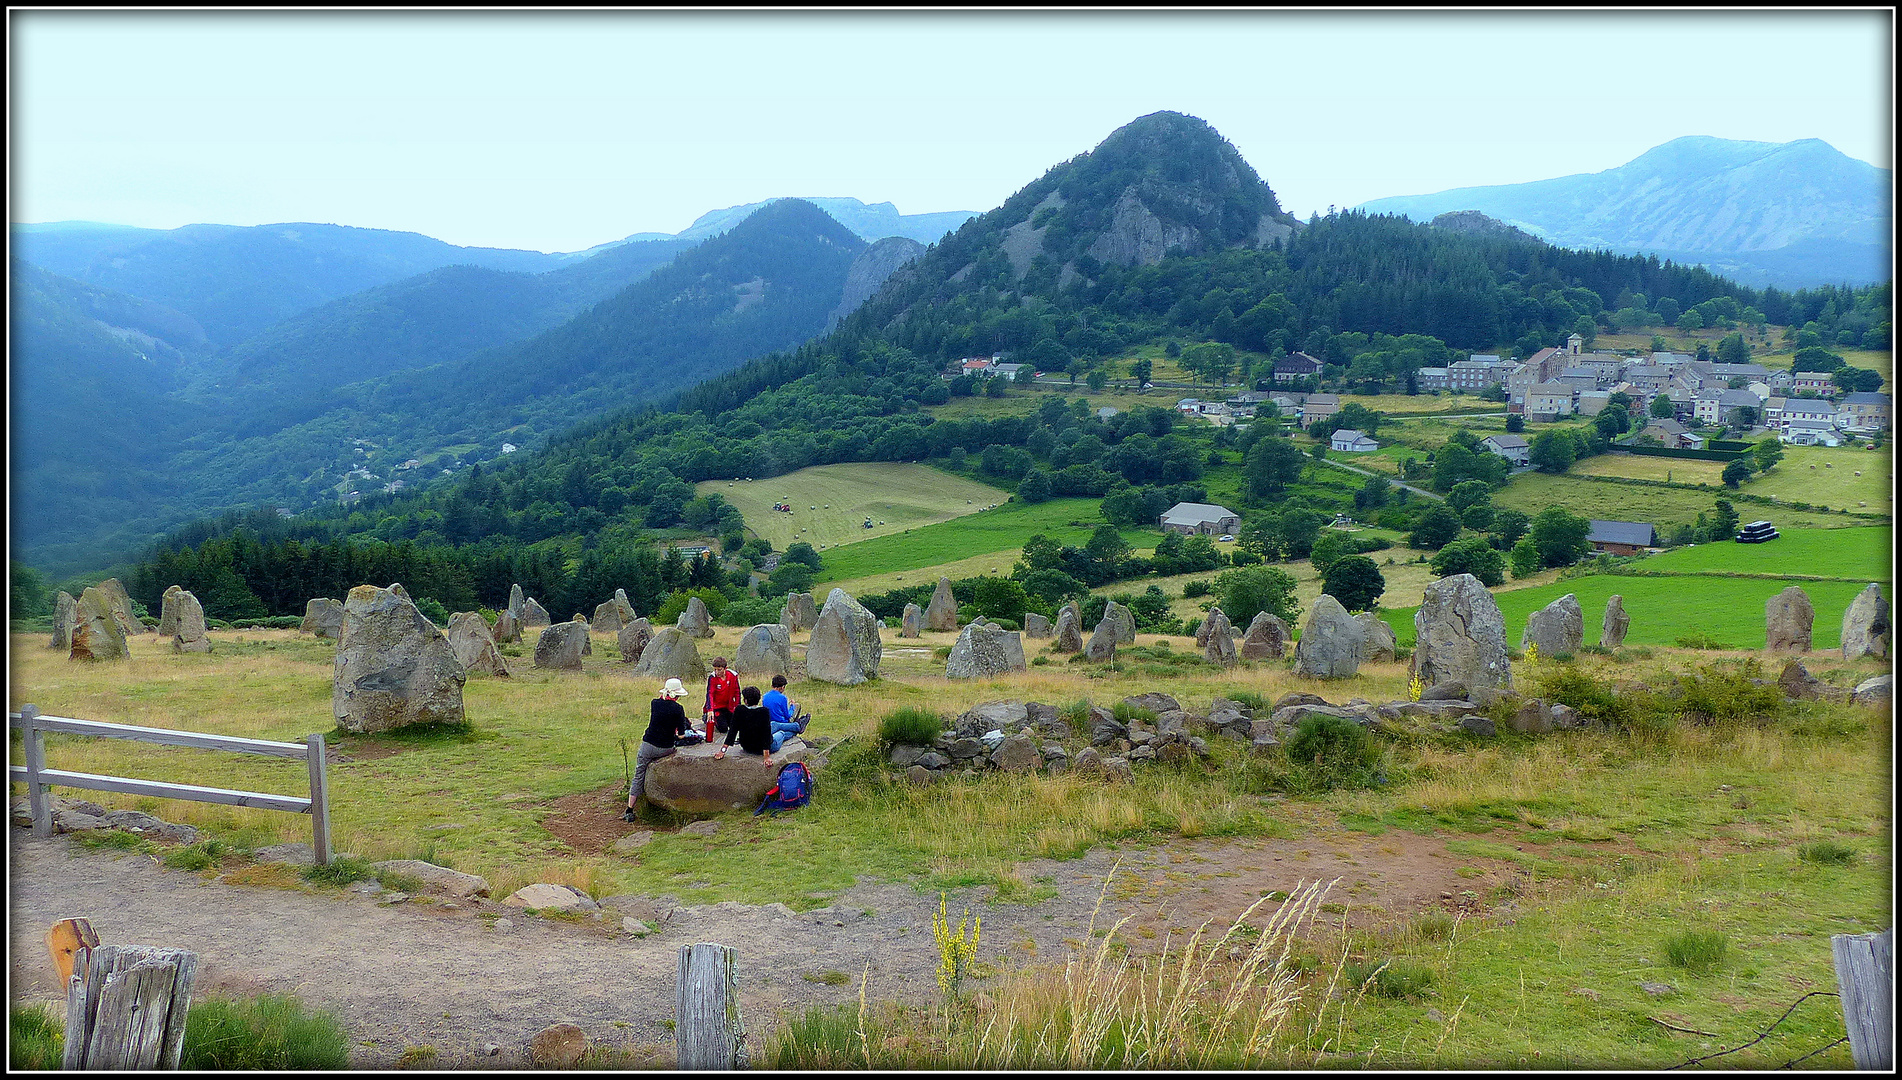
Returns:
(38,777)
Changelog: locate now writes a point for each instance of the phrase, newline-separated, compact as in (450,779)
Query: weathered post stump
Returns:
(126,1006)
(1865,973)
(708,1032)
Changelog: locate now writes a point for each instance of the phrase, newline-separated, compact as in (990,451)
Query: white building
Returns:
(1350,441)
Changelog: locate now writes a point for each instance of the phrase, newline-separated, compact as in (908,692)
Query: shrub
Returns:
(340,871)
(1333,751)
(855,762)
(1727,692)
(676,603)
(1696,950)
(1402,980)
(1193,589)
(35,1038)
(1191,627)
(1700,641)
(1826,853)
(750,611)
(271,1031)
(909,725)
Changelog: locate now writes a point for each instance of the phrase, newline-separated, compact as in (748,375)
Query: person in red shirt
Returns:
(723,695)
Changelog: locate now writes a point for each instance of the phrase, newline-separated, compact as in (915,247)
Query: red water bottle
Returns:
(709,727)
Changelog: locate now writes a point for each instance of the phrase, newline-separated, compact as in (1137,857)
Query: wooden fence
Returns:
(38,777)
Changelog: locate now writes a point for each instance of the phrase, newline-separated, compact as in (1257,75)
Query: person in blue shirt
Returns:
(785,714)
(754,728)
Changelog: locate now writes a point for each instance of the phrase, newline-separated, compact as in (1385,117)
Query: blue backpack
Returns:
(793,790)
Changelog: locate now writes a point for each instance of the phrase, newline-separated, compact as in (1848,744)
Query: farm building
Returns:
(1621,537)
(1673,434)
(1296,365)
(1350,441)
(1514,448)
(1201,519)
(1319,407)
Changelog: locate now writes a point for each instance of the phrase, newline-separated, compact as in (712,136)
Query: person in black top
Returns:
(667,720)
(752,725)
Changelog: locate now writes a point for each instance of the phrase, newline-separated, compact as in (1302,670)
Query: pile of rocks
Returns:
(80,815)
(1029,736)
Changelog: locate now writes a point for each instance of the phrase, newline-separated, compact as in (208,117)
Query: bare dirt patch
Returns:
(590,821)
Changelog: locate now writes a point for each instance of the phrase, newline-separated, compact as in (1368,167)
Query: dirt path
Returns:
(461,978)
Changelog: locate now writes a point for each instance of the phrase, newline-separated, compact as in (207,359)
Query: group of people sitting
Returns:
(760,723)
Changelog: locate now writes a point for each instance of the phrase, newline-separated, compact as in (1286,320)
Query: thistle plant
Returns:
(956,949)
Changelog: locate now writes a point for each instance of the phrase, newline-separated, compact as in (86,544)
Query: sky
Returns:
(556,132)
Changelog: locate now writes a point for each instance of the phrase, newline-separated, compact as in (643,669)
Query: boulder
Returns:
(1202,630)
(1220,647)
(799,612)
(913,621)
(1102,644)
(1330,642)
(1876,691)
(1068,630)
(845,646)
(168,611)
(607,618)
(121,606)
(992,716)
(558,1046)
(633,639)
(561,646)
(393,667)
(1035,625)
(1154,702)
(1459,634)
(533,615)
(1297,697)
(1532,717)
(766,650)
(1087,762)
(1558,628)
(96,635)
(1125,622)
(1787,618)
(439,878)
(983,651)
(544,896)
(1616,623)
(507,629)
(1450,690)
(695,620)
(671,654)
(475,649)
(1267,638)
(692,781)
(942,612)
(1479,724)
(1117,769)
(65,617)
(1379,644)
(188,622)
(1866,627)
(1017,753)
(1796,682)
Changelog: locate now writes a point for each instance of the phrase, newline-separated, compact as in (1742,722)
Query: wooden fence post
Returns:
(708,1032)
(35,741)
(126,1007)
(319,800)
(1865,973)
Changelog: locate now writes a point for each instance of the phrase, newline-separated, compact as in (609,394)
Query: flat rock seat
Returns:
(692,781)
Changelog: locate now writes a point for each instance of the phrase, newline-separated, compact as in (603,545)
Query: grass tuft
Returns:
(340,871)
(1696,950)
(35,1038)
(911,726)
(271,1031)
(1826,853)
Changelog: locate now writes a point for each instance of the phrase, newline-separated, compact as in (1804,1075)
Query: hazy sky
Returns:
(558,132)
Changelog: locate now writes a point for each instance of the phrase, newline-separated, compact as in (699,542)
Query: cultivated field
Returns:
(895,496)
(1821,476)
(1067,521)
(1664,507)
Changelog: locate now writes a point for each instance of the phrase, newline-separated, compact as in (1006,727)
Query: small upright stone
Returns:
(393,667)
(671,655)
(560,646)
(96,635)
(1220,647)
(168,611)
(845,646)
(766,649)
(1330,642)
(1267,638)
(1125,622)
(508,628)
(983,651)
(121,606)
(912,622)
(942,612)
(1202,631)
(533,615)
(323,617)
(607,618)
(188,623)
(475,650)
(1787,618)
(1068,631)
(1558,628)
(1102,644)
(1617,622)
(1035,625)
(695,620)
(516,607)
(1866,630)
(633,640)
(800,613)
(65,617)
(1378,642)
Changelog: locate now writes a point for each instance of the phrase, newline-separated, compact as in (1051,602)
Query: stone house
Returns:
(1296,365)
(1549,399)
(1351,441)
(1201,519)
(1514,448)
(1621,537)
(1864,410)
(1319,407)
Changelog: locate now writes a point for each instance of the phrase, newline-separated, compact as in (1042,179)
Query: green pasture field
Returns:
(1068,521)
(1664,507)
(1662,609)
(1817,475)
(895,495)
(1865,555)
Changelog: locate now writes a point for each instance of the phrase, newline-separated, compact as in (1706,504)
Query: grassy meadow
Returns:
(1585,851)
(1839,478)
(1067,521)
(1661,506)
(831,502)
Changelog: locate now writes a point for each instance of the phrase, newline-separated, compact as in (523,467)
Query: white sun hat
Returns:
(673,689)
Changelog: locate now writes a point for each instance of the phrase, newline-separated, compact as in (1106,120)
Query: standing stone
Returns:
(533,615)
(1202,631)
(508,628)
(393,667)
(1616,623)
(845,646)
(587,638)
(1220,646)
(607,618)
(1125,622)
(323,617)
(1267,638)
(671,655)
(1866,625)
(188,623)
(1557,629)
(623,606)
(913,621)
(983,651)
(1330,642)
(560,646)
(766,649)
(168,611)
(475,650)
(121,606)
(96,634)
(1069,630)
(800,613)
(1102,644)
(1378,642)
(516,607)
(694,620)
(942,612)
(633,640)
(1035,625)
(65,617)
(1459,634)
(1787,618)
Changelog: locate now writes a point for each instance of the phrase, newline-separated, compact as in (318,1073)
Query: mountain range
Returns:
(1790,214)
